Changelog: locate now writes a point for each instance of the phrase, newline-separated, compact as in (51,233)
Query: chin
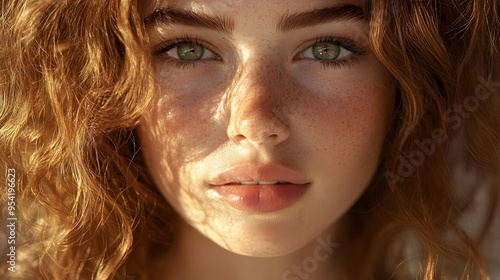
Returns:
(265,244)
(262,250)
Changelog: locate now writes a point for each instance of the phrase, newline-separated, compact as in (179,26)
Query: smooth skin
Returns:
(314,99)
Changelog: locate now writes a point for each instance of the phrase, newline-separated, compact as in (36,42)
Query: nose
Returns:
(257,112)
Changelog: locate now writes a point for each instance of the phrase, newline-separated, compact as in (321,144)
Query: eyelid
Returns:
(206,52)
(165,46)
(343,42)
(341,54)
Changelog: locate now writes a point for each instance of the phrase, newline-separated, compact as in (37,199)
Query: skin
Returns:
(259,103)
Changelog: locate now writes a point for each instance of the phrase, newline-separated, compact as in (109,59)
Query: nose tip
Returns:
(258,125)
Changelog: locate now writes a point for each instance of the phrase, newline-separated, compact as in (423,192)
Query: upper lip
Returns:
(258,173)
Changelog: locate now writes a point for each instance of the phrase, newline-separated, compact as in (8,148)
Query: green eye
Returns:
(325,51)
(190,52)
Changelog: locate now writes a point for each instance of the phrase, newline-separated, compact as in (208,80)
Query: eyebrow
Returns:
(320,16)
(222,24)
(177,16)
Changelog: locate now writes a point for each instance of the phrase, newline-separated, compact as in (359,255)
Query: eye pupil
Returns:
(326,51)
(190,51)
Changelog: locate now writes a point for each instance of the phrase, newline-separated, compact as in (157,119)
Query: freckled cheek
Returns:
(344,126)
(202,80)
(185,116)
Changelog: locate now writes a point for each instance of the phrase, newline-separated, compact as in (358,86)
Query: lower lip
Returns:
(261,198)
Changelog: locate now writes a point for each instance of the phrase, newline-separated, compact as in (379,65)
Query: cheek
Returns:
(173,134)
(187,112)
(349,113)
(355,122)
(342,141)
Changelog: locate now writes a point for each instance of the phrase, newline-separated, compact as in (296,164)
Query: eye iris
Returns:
(326,51)
(190,51)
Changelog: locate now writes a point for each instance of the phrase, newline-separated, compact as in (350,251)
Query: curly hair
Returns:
(74,87)
(72,91)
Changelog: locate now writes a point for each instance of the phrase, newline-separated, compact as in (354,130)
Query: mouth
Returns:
(252,174)
(260,183)
(260,188)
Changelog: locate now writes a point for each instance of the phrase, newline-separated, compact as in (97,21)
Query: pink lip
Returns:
(254,173)
(260,198)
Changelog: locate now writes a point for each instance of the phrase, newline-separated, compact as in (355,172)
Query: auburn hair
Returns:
(76,76)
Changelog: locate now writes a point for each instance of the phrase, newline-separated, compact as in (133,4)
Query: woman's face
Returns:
(269,117)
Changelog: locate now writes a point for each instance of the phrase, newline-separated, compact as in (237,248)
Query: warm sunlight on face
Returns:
(269,119)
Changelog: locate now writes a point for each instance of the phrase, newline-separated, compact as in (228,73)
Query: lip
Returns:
(262,173)
(268,197)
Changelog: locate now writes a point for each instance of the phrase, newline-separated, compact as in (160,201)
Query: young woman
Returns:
(247,139)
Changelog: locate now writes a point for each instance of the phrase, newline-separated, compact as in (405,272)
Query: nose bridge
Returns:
(257,105)
(257,82)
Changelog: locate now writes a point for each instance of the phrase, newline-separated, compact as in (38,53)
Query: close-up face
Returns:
(269,117)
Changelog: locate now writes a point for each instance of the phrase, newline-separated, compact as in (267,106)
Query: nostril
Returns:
(273,136)
(257,136)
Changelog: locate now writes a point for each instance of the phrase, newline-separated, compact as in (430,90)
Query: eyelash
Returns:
(345,43)
(164,47)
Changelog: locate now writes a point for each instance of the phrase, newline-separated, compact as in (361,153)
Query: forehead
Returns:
(254,8)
